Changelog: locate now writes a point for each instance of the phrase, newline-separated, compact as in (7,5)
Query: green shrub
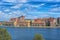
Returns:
(4,35)
(38,37)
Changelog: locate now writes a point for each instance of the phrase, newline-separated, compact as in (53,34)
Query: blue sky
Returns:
(31,9)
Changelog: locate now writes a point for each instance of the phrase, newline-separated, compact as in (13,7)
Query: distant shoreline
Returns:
(30,27)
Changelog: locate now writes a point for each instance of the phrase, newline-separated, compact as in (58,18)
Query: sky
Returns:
(31,9)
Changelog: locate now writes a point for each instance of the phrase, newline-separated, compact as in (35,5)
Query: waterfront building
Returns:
(22,22)
(28,22)
(37,23)
(52,21)
(16,22)
(58,20)
(12,20)
(21,18)
(7,23)
(47,22)
(0,23)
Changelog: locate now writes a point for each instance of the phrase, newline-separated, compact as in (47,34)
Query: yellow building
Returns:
(20,23)
(16,22)
(28,22)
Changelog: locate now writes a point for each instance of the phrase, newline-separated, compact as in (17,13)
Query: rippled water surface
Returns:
(28,33)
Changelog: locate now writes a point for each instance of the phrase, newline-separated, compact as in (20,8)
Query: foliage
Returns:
(38,37)
(4,35)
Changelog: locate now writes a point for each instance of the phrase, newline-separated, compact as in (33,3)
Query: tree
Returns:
(38,37)
(4,35)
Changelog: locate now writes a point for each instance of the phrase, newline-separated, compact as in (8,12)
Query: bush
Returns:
(4,35)
(38,37)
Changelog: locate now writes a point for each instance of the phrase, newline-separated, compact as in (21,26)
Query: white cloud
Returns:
(16,13)
(57,9)
(58,0)
(55,5)
(10,0)
(31,17)
(12,14)
(44,15)
(17,6)
(52,0)
(23,1)
(2,14)
(48,0)
(40,5)
(16,1)
(33,5)
(7,10)
(28,6)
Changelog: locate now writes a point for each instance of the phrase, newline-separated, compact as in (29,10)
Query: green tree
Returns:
(38,37)
(4,35)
